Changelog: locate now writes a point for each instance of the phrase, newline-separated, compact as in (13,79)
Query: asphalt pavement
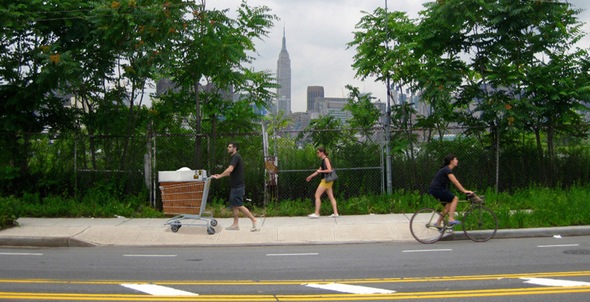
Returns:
(121,231)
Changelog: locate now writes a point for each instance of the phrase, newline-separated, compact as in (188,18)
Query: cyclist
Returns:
(440,189)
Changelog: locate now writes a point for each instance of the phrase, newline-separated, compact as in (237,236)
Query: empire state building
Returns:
(284,79)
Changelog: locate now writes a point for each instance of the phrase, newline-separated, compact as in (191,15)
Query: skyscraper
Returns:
(314,93)
(284,79)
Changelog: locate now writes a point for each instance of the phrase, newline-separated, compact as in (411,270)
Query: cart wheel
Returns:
(175,226)
(210,231)
(213,222)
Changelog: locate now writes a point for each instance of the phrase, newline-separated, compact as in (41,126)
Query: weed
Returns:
(526,208)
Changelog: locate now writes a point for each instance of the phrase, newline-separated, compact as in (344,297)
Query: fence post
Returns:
(497,157)
(75,166)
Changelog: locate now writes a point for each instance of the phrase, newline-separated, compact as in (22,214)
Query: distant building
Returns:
(314,93)
(382,107)
(333,107)
(414,99)
(226,94)
(165,85)
(299,121)
(284,79)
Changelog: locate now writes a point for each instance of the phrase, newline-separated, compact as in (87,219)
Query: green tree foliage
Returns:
(494,66)
(274,124)
(35,48)
(212,49)
(100,56)
(365,116)
(324,131)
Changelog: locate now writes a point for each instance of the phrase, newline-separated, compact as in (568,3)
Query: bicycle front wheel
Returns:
(480,224)
(422,226)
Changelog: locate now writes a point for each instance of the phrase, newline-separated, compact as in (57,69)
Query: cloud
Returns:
(317,32)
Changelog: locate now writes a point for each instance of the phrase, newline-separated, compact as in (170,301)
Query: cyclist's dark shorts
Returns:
(236,196)
(444,196)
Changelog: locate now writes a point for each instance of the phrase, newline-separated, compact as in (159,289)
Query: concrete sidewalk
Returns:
(78,232)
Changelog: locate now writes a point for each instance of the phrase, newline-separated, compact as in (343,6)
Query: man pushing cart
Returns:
(235,171)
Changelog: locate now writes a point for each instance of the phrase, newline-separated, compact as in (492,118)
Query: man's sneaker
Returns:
(454,222)
(313,215)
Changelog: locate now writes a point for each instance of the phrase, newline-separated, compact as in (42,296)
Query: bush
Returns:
(10,208)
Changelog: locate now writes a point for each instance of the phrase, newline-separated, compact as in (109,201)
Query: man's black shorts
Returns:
(236,196)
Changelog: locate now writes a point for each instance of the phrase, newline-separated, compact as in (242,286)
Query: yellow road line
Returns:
(297,282)
(328,297)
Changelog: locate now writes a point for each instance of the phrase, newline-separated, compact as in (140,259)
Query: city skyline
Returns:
(318,32)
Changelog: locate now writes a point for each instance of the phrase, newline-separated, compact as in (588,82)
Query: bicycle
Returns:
(478,221)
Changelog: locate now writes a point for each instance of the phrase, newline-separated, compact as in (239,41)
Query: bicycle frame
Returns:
(479,222)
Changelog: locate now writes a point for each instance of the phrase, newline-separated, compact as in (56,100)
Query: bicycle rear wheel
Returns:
(422,226)
(480,223)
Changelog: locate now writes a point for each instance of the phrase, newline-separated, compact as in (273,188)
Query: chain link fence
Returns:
(73,164)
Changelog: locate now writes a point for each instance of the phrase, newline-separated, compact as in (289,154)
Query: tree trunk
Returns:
(542,174)
(130,130)
(551,153)
(212,151)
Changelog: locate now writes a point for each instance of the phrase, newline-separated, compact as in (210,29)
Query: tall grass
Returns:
(525,208)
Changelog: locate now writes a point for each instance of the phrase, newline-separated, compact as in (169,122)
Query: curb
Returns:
(44,242)
(39,241)
(532,233)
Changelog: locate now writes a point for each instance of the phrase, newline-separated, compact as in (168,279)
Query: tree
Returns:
(135,35)
(212,49)
(275,124)
(365,116)
(324,131)
(479,63)
(91,52)
(36,45)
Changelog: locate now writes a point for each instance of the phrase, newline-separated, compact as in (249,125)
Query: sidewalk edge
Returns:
(37,241)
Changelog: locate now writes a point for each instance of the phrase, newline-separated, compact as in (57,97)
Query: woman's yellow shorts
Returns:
(325,184)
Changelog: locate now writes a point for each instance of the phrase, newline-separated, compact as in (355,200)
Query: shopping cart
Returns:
(188,201)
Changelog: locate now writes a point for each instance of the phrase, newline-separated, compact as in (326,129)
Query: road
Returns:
(500,270)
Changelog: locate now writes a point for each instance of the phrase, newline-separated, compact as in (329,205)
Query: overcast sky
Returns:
(317,32)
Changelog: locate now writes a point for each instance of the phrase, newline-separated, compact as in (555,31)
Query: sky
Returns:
(317,32)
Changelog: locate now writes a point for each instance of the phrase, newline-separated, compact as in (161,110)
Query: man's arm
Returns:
(224,173)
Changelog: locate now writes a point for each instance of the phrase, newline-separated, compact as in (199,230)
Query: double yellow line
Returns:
(330,297)
(327,297)
(298,282)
